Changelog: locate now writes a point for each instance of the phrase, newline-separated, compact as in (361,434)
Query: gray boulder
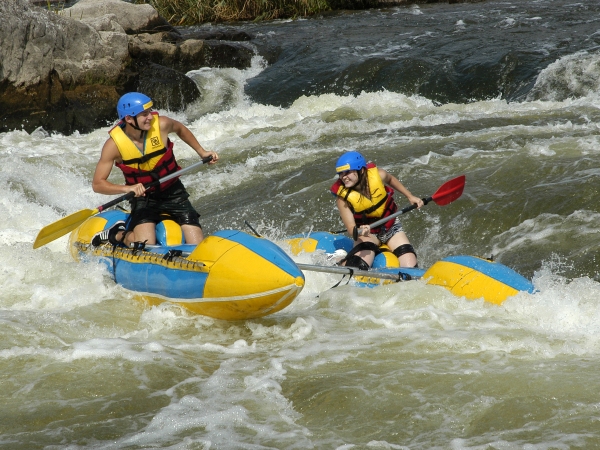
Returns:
(133,18)
(65,72)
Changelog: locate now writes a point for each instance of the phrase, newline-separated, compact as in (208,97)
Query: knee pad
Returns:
(403,250)
(357,261)
(365,246)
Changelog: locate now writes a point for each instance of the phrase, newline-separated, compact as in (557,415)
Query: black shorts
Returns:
(171,203)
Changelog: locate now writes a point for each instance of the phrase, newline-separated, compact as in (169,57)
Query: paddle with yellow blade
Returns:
(61,227)
(446,193)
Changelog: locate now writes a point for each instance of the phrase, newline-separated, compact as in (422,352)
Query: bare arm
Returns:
(345,214)
(348,218)
(168,125)
(110,154)
(394,183)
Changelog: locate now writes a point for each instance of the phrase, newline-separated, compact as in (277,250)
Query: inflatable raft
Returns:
(466,276)
(230,275)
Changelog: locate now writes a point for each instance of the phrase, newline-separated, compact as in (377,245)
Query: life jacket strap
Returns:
(146,157)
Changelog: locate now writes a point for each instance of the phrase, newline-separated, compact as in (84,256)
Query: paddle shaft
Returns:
(399,213)
(391,216)
(446,193)
(352,271)
(61,227)
(164,179)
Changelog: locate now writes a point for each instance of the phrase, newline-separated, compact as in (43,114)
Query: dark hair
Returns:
(362,186)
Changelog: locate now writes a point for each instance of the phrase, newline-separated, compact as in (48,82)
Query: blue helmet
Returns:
(350,161)
(133,103)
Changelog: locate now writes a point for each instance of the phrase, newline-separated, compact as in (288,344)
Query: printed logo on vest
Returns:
(155,141)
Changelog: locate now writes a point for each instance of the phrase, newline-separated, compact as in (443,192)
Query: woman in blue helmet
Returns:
(139,145)
(365,195)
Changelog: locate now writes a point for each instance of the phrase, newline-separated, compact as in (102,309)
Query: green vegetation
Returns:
(192,12)
(52,5)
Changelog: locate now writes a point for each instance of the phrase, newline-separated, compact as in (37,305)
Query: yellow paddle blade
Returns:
(61,227)
(69,223)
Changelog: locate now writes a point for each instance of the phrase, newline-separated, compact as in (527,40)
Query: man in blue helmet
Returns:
(140,147)
(364,194)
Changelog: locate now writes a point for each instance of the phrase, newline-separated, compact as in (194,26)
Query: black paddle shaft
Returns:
(130,195)
(391,216)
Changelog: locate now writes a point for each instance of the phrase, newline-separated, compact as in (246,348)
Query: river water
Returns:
(505,92)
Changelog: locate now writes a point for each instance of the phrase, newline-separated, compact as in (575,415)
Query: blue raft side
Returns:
(157,279)
(494,270)
(112,216)
(264,248)
(182,284)
(154,278)
(328,242)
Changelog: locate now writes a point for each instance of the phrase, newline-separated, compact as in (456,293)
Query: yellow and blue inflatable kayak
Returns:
(230,275)
(466,276)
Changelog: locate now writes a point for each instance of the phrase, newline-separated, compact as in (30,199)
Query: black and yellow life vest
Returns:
(369,210)
(154,162)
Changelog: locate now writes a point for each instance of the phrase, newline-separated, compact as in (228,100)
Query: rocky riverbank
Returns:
(65,71)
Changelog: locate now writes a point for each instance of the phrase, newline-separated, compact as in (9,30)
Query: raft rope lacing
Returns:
(173,258)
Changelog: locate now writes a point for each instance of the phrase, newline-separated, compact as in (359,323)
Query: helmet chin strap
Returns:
(137,127)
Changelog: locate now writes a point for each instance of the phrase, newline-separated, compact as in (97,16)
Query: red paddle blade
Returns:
(449,191)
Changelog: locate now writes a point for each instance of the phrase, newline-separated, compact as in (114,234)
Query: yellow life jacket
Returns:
(368,210)
(153,163)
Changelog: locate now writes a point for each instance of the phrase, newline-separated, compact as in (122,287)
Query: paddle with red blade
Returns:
(447,193)
(61,227)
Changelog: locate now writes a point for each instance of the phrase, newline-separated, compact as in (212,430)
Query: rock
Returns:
(189,54)
(170,89)
(218,35)
(52,65)
(65,72)
(133,18)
